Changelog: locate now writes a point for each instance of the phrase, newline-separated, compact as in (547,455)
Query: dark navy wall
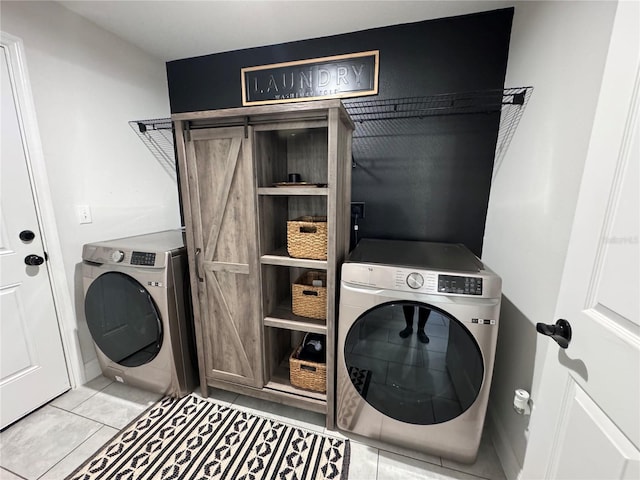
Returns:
(420,179)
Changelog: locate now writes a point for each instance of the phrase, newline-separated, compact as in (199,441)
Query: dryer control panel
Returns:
(124,257)
(459,284)
(485,284)
(143,258)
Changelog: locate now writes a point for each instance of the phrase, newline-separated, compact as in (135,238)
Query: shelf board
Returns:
(282,258)
(290,389)
(283,317)
(323,191)
(304,325)
(280,381)
(289,321)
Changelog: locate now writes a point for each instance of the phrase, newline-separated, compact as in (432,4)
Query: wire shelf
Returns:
(157,135)
(378,118)
(397,116)
(485,101)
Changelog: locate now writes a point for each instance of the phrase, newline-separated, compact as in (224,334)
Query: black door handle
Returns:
(33,260)
(560,332)
(27,235)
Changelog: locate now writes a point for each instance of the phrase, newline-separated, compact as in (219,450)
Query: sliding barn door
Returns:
(223,220)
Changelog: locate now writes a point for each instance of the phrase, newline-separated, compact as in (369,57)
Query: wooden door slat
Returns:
(223,197)
(229,267)
(230,331)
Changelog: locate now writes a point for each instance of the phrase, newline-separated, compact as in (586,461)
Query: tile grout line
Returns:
(82,402)
(63,458)
(93,419)
(86,418)
(13,473)
(415,458)
(102,425)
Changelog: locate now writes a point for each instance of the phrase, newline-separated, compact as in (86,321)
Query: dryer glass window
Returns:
(123,319)
(414,363)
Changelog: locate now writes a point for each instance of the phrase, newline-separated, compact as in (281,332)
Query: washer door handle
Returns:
(560,332)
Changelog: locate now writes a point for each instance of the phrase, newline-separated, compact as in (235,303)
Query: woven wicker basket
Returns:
(307,237)
(308,300)
(307,375)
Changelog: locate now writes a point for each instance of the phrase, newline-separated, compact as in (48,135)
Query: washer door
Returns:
(123,319)
(411,376)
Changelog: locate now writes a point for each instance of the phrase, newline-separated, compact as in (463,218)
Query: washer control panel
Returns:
(143,258)
(459,284)
(126,257)
(485,284)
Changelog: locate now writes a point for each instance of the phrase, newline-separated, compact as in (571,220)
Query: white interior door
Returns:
(586,420)
(32,362)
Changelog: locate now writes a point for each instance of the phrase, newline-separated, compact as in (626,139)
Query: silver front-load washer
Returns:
(137,308)
(418,325)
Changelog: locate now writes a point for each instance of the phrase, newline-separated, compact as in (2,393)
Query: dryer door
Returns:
(123,319)
(414,362)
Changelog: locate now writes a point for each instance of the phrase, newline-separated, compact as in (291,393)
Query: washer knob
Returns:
(117,256)
(415,280)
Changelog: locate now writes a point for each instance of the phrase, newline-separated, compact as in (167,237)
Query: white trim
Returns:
(14,48)
(92,369)
(503,446)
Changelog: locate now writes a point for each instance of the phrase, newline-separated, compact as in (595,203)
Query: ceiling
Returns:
(171,30)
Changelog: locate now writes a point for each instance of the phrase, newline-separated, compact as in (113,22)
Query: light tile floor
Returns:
(52,441)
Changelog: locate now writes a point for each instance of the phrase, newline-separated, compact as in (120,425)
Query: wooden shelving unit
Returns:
(237,238)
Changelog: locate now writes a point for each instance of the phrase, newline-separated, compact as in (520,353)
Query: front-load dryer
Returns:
(418,325)
(137,308)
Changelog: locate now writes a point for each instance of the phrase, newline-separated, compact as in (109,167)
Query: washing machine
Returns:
(417,331)
(137,307)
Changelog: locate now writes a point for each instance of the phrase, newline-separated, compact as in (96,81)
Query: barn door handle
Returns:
(34,260)
(560,332)
(197,266)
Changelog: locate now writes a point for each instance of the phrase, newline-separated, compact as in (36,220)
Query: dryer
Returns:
(427,391)
(137,308)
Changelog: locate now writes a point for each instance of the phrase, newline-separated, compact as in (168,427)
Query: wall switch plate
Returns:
(84,214)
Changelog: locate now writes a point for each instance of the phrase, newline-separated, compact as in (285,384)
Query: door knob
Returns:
(34,260)
(27,235)
(560,332)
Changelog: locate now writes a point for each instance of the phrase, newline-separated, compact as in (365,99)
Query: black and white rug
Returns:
(197,439)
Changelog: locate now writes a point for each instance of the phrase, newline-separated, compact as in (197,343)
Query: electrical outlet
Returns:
(357,209)
(84,214)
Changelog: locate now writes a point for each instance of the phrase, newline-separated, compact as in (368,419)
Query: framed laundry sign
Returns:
(338,76)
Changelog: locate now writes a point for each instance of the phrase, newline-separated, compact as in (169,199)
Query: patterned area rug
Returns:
(196,439)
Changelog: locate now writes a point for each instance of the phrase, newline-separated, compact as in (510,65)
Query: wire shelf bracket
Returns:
(157,136)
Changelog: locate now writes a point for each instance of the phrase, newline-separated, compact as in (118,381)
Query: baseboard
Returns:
(92,369)
(503,448)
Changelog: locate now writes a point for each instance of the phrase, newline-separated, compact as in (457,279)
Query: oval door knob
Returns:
(33,260)
(560,332)
(27,235)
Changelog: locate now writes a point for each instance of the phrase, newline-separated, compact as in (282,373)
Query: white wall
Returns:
(87,84)
(559,48)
